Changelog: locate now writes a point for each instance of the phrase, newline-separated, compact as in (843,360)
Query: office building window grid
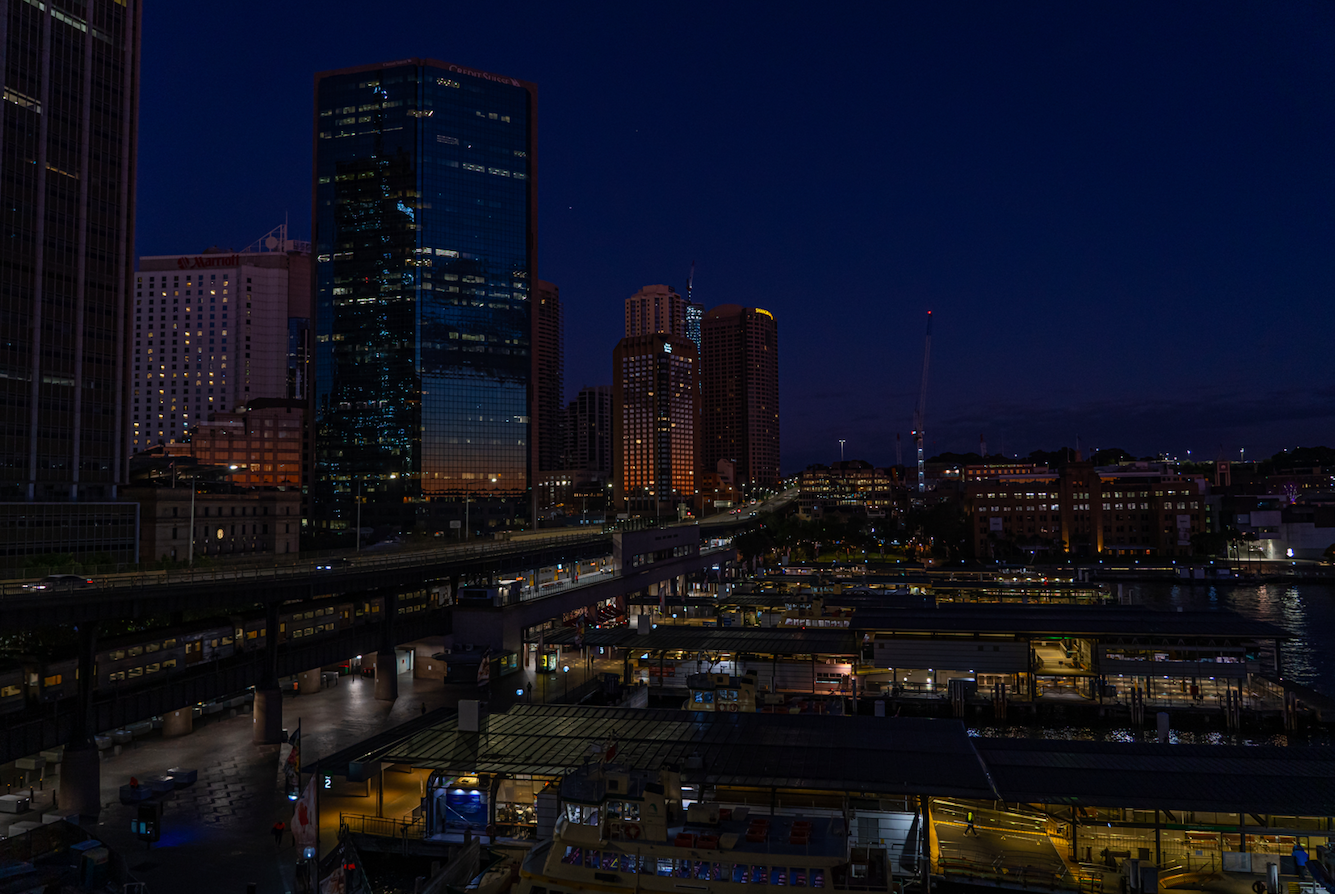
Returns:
(423,275)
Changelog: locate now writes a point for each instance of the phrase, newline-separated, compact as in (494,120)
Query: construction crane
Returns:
(922,406)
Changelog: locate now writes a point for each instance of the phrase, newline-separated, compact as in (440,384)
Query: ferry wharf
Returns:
(941,808)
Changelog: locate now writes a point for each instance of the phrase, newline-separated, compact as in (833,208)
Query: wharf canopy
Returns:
(856,754)
(1070,650)
(1286,781)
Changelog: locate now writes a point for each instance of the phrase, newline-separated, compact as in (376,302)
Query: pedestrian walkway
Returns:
(216,834)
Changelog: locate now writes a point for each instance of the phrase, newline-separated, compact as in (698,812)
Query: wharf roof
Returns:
(1066,620)
(858,754)
(1223,778)
(762,640)
(610,636)
(847,599)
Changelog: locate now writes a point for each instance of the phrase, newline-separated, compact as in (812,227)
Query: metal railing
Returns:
(382,826)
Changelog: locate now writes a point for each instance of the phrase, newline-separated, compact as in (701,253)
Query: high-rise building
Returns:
(68,138)
(656,310)
(69,124)
(425,233)
(549,386)
(214,331)
(655,414)
(695,315)
(589,430)
(739,374)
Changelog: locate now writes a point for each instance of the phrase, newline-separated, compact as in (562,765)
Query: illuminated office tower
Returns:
(425,236)
(655,413)
(68,138)
(739,383)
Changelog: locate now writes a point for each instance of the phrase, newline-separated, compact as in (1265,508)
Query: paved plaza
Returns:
(216,834)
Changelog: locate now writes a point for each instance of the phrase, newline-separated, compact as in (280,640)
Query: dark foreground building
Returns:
(68,134)
(425,239)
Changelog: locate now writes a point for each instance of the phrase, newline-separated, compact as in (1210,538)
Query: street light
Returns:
(565,675)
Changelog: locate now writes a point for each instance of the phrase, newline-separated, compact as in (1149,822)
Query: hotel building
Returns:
(214,331)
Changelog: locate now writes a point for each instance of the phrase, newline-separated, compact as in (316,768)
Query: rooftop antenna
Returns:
(690,282)
(922,406)
(841,449)
(899,450)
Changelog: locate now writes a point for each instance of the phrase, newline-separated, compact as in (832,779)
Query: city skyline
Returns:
(1120,235)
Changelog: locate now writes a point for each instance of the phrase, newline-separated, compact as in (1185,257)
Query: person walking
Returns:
(969,828)
(423,707)
(278,829)
(1299,860)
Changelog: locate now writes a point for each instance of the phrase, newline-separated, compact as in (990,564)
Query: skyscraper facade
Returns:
(656,310)
(655,413)
(739,374)
(212,332)
(589,430)
(68,138)
(425,237)
(549,386)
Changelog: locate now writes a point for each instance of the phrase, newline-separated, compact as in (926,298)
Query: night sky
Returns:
(1122,215)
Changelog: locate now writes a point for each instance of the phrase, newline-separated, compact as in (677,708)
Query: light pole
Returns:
(190,551)
(565,675)
(358,532)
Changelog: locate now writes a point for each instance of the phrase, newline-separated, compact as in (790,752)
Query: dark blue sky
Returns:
(1122,215)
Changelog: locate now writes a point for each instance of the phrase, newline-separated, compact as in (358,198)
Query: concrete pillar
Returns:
(267,720)
(386,662)
(81,780)
(180,722)
(309,681)
(386,676)
(81,767)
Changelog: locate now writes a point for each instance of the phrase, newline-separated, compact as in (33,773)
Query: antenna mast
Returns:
(922,406)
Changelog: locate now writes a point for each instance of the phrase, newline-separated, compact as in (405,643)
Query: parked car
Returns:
(61,582)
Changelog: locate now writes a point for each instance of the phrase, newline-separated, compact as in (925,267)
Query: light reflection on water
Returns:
(1184,737)
(1306,610)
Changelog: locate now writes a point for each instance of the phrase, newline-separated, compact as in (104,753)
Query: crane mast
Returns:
(922,406)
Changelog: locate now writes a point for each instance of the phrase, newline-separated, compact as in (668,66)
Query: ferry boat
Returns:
(620,829)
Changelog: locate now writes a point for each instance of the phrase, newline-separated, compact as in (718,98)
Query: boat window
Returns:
(702,869)
(626,863)
(759,875)
(681,869)
(716,871)
(779,875)
(664,867)
(573,856)
(591,859)
(817,877)
(609,860)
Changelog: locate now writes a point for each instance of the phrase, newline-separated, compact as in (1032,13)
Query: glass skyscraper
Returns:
(425,241)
